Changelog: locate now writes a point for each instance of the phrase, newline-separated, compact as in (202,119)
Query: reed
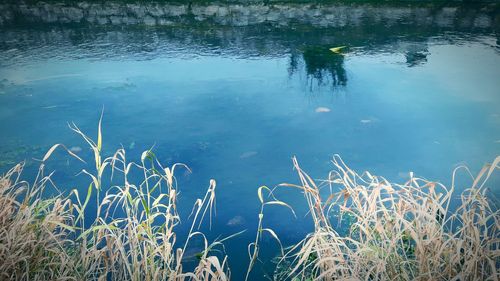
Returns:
(131,238)
(396,231)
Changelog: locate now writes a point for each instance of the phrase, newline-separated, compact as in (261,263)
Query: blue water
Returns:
(237,114)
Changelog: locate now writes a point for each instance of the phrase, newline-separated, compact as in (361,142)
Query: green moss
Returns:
(18,152)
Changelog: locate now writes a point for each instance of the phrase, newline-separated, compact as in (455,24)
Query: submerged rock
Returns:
(75,149)
(235,221)
(322,109)
(369,120)
(248,154)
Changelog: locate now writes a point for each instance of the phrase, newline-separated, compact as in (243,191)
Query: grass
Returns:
(396,231)
(131,238)
(402,231)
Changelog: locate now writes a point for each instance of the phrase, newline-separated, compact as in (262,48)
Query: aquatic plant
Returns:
(402,231)
(397,232)
(131,236)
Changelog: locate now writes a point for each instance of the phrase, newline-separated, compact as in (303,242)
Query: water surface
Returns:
(236,103)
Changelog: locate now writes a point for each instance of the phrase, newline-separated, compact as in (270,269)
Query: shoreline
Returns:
(328,14)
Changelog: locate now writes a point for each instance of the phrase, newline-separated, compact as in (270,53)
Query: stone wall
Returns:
(328,15)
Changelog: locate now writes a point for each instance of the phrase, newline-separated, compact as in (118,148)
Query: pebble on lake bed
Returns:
(322,109)
(369,120)
(248,154)
(235,221)
(75,149)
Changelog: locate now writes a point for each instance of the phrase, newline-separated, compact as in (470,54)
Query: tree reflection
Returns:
(416,53)
(321,66)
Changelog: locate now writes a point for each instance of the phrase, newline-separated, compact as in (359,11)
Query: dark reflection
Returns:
(304,40)
(307,47)
(416,54)
(321,66)
(415,58)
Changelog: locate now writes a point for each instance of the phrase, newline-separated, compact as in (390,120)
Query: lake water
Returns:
(236,103)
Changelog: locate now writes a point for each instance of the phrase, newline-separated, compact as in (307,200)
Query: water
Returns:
(236,103)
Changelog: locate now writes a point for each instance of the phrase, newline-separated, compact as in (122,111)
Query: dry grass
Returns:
(132,238)
(33,231)
(396,231)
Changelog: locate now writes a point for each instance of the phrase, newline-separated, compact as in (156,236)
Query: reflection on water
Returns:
(235,102)
(415,58)
(416,54)
(321,66)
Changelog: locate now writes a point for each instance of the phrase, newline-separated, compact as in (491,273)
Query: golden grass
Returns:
(397,231)
(132,238)
(33,230)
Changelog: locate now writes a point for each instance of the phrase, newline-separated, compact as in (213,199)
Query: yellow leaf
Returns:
(338,50)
